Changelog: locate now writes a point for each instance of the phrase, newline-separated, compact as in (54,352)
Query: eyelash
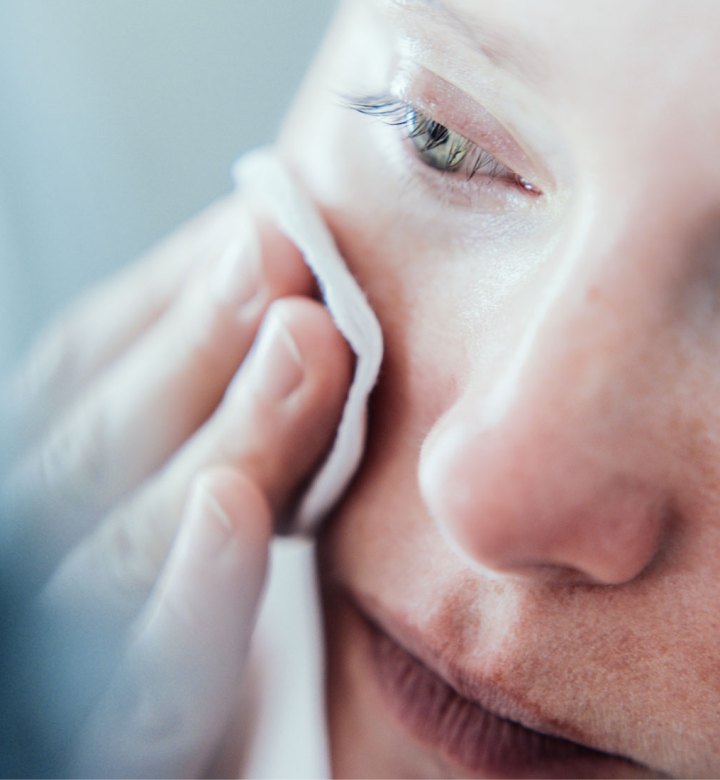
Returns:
(399,113)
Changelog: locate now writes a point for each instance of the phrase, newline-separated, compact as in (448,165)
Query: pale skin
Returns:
(541,485)
(541,493)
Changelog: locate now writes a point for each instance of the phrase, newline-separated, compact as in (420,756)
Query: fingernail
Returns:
(219,513)
(236,278)
(280,366)
(210,525)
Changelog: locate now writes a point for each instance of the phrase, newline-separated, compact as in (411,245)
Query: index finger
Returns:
(106,320)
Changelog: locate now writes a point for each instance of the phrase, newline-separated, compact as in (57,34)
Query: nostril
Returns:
(619,540)
(514,515)
(612,542)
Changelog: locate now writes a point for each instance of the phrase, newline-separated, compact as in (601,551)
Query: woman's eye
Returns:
(437,146)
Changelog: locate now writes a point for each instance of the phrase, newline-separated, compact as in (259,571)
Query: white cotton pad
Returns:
(266,180)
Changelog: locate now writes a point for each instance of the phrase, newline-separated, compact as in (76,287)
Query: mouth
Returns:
(472,724)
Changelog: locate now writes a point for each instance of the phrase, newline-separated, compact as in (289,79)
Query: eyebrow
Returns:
(506,51)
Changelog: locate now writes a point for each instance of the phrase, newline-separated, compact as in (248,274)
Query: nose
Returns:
(558,466)
(533,500)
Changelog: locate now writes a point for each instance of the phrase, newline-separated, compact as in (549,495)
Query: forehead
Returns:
(621,40)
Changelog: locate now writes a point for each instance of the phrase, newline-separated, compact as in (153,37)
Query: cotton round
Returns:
(262,175)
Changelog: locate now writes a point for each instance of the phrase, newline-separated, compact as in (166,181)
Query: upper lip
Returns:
(481,691)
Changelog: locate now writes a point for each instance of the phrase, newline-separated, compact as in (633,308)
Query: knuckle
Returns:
(131,557)
(50,366)
(214,337)
(74,462)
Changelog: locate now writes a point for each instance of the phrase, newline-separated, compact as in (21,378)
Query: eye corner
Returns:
(530,187)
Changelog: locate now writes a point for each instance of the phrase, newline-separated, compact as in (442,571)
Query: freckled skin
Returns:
(590,507)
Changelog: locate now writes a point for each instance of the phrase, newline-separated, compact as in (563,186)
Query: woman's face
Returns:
(537,522)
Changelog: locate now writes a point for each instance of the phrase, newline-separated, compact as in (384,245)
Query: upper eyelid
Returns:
(454,108)
(385,106)
(393,111)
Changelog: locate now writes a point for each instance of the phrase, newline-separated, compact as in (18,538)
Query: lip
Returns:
(473,724)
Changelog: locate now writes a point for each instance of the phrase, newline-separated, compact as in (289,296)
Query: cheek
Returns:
(446,302)
(448,287)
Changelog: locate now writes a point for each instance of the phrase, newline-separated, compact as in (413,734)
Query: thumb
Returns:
(169,702)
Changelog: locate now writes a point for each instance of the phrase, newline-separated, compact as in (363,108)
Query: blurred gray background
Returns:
(118,120)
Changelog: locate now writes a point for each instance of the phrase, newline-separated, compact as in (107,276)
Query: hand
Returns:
(161,436)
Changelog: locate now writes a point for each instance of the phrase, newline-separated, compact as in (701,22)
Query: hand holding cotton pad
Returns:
(263,176)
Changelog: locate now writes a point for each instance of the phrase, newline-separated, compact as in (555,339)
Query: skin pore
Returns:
(537,513)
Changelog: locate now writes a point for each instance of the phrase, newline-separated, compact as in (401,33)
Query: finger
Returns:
(274,425)
(142,410)
(103,322)
(171,699)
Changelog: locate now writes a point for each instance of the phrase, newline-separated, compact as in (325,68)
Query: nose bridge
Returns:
(571,413)
(549,463)
(593,321)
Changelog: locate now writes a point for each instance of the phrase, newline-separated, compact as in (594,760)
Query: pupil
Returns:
(438,134)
